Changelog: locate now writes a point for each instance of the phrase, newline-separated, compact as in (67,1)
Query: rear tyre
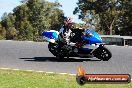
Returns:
(53,48)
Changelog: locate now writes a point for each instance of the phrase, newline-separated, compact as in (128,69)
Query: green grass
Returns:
(24,79)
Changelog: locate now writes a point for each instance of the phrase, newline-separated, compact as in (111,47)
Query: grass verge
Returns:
(24,79)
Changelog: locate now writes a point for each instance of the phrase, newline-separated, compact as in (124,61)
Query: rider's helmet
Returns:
(68,22)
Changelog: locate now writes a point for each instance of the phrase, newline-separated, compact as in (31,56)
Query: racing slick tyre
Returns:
(53,48)
(102,53)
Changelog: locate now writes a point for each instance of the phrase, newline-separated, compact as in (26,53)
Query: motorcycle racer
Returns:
(66,30)
(89,44)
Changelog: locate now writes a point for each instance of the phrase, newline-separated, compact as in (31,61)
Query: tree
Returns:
(56,15)
(125,21)
(23,26)
(25,31)
(8,24)
(80,25)
(43,16)
(31,18)
(2,32)
(104,13)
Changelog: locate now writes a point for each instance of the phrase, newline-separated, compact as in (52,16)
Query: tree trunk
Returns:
(111,26)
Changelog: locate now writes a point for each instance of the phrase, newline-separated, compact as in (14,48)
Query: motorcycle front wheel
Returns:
(102,53)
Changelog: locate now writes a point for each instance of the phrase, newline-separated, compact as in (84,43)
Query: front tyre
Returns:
(102,53)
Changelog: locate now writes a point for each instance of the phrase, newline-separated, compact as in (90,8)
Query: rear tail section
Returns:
(50,36)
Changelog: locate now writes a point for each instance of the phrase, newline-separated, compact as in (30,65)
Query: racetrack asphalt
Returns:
(35,56)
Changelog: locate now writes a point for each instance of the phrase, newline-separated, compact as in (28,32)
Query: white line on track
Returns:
(37,71)
(40,71)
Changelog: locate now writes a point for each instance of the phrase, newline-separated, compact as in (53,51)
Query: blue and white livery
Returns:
(89,45)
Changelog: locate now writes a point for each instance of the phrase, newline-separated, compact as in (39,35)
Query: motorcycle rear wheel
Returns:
(53,48)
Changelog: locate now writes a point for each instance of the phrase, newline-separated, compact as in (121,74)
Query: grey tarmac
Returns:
(26,55)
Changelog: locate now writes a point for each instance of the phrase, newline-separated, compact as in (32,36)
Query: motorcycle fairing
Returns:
(93,37)
(51,36)
(88,48)
(85,50)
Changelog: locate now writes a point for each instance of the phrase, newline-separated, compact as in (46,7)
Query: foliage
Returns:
(108,16)
(2,32)
(80,25)
(30,19)
(125,21)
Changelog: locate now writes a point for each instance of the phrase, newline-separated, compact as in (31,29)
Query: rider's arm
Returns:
(61,32)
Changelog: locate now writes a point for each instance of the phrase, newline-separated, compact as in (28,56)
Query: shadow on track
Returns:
(54,59)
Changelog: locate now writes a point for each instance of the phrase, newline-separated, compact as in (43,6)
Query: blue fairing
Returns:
(50,35)
(85,50)
(93,38)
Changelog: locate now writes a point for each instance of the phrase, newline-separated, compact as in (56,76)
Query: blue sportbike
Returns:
(86,44)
